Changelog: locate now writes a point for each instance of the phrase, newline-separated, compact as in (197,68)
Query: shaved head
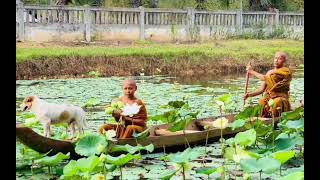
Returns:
(283,55)
(129,87)
(129,82)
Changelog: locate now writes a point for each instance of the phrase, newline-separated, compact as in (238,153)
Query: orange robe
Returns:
(125,131)
(278,86)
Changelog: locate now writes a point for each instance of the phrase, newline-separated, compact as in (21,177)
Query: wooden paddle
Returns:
(246,85)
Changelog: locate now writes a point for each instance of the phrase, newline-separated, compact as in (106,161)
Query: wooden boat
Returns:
(159,137)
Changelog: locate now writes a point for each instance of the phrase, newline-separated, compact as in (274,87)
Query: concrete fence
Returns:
(56,23)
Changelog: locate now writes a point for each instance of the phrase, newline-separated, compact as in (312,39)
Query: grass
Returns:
(242,50)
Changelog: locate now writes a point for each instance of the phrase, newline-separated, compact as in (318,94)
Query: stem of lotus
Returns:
(104,170)
(49,171)
(120,172)
(280,170)
(260,172)
(164,149)
(208,176)
(32,167)
(205,147)
(272,132)
(183,173)
(184,133)
(222,143)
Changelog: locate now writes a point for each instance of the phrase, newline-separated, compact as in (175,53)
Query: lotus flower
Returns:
(271,102)
(110,134)
(130,110)
(220,123)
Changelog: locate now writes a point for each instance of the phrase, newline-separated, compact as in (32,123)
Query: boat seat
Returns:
(165,132)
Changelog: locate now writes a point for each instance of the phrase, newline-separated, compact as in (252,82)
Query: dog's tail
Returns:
(84,120)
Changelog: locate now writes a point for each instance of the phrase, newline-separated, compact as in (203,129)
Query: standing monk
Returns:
(276,85)
(135,123)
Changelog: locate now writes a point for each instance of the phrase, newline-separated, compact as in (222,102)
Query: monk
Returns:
(275,85)
(136,123)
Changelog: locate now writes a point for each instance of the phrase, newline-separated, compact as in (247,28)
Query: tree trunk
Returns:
(154,3)
(136,3)
(63,2)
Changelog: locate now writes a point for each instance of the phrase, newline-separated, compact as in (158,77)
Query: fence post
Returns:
(87,22)
(190,22)
(277,17)
(20,17)
(239,20)
(141,22)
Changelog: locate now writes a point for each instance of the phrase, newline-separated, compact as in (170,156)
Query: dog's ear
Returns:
(30,99)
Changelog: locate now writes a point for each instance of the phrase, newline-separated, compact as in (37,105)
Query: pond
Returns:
(155,91)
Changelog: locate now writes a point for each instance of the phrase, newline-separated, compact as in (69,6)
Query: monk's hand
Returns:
(246,96)
(116,114)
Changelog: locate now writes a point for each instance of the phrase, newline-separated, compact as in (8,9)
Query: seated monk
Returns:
(276,85)
(136,123)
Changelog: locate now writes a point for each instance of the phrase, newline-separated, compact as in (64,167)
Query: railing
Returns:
(150,16)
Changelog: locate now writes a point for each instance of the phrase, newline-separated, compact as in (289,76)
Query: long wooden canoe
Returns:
(159,137)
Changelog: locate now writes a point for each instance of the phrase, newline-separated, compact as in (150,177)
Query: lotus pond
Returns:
(255,159)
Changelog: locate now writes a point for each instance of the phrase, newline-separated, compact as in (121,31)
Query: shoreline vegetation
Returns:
(56,60)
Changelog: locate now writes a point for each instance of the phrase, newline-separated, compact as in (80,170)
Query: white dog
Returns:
(49,113)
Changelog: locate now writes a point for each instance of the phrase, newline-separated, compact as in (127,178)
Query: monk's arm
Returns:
(283,83)
(258,75)
(136,121)
(259,91)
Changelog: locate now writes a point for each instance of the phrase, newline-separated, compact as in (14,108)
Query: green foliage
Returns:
(91,145)
(71,168)
(168,52)
(283,156)
(52,160)
(118,105)
(131,149)
(238,124)
(283,144)
(250,111)
(143,135)
(266,165)
(91,102)
(245,138)
(184,157)
(94,74)
(166,175)
(87,164)
(122,159)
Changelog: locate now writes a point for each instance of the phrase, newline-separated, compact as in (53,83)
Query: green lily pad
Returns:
(52,160)
(250,165)
(185,156)
(283,156)
(208,170)
(143,135)
(71,168)
(238,123)
(131,149)
(167,174)
(91,145)
(88,164)
(122,159)
(295,124)
(245,138)
(265,164)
